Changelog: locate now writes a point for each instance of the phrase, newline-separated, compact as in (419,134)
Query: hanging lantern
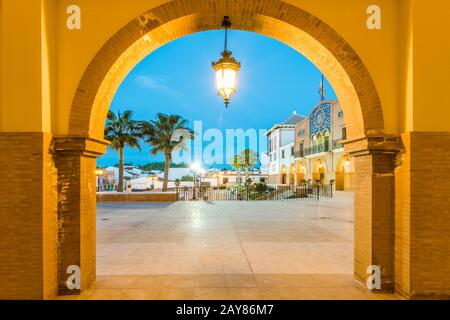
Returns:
(226,69)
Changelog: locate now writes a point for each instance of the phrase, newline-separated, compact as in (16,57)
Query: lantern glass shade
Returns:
(226,70)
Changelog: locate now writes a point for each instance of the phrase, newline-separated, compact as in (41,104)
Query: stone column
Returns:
(375,158)
(75,160)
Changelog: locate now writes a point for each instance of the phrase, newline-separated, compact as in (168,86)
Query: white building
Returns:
(281,148)
(177,173)
(228,178)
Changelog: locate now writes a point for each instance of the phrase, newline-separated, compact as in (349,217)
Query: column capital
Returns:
(78,145)
(373,144)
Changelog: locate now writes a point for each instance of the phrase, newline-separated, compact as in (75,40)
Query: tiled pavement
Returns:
(227,250)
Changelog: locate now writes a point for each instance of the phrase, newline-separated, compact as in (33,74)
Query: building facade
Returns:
(281,142)
(319,154)
(309,150)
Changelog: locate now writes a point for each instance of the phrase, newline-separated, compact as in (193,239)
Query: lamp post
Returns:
(195,168)
(177,185)
(226,69)
(153,182)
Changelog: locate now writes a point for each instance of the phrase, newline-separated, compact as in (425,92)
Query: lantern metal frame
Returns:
(227,62)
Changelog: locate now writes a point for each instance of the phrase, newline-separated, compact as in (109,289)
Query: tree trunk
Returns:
(246,174)
(166,171)
(121,165)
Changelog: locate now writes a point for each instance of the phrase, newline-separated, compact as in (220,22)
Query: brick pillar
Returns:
(28,222)
(76,164)
(374,206)
(423,217)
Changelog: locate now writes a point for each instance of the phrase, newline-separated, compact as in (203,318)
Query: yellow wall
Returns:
(37,88)
(21,66)
(431,65)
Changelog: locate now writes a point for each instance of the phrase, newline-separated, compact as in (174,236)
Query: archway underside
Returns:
(285,23)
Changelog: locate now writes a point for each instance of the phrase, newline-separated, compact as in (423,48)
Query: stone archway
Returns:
(283,175)
(289,24)
(292,175)
(320,170)
(274,18)
(301,171)
(344,174)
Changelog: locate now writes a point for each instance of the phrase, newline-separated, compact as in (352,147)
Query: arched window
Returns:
(326,139)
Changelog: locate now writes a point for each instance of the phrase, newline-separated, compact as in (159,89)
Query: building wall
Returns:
(283,141)
(330,159)
(338,122)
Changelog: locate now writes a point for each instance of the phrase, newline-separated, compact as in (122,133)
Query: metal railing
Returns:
(337,144)
(324,147)
(256,193)
(107,185)
(299,153)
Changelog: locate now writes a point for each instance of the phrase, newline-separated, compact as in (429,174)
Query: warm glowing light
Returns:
(226,69)
(196,166)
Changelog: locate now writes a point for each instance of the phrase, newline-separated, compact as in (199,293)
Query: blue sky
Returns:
(274,81)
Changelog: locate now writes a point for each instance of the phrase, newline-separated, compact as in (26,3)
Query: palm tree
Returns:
(237,164)
(121,130)
(248,159)
(165,135)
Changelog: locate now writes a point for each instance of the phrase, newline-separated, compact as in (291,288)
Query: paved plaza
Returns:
(227,250)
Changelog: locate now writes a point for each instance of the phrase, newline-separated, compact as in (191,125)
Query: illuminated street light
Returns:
(196,167)
(347,162)
(226,69)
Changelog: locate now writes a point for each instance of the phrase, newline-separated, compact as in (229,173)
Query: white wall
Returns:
(287,136)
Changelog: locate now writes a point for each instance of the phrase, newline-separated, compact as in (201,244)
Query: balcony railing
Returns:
(299,153)
(337,144)
(324,147)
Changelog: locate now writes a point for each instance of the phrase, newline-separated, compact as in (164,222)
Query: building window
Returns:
(340,114)
(292,151)
(344,133)
(283,154)
(225,180)
(262,180)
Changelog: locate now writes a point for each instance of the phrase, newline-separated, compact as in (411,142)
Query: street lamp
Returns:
(153,177)
(195,167)
(226,69)
(347,162)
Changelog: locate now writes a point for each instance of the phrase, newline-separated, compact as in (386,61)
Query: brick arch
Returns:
(274,18)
